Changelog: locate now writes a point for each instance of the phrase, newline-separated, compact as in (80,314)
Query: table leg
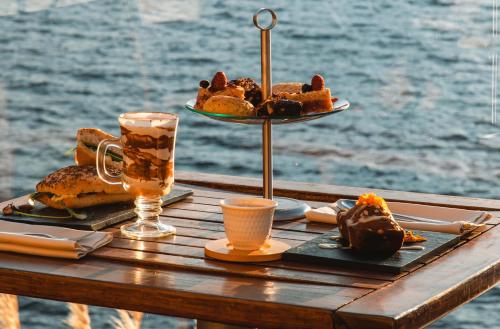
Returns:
(201,324)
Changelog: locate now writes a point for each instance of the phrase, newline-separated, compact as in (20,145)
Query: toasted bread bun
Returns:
(229,105)
(83,200)
(87,141)
(287,87)
(74,180)
(79,187)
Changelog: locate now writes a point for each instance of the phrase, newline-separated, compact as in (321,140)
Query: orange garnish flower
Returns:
(411,237)
(371,199)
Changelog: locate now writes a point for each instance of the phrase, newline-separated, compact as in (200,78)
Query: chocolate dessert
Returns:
(280,107)
(369,227)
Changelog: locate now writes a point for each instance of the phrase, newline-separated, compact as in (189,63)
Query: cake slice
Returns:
(370,228)
(313,97)
(312,101)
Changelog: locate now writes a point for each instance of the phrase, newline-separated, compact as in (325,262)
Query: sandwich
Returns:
(78,187)
(87,141)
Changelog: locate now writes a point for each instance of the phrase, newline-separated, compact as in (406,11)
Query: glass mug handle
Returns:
(100,160)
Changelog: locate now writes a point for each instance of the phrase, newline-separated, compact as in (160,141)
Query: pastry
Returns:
(313,101)
(369,228)
(229,105)
(295,98)
(219,86)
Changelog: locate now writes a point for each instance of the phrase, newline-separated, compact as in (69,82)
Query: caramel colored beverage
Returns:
(148,141)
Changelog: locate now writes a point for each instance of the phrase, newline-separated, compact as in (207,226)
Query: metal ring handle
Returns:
(273,21)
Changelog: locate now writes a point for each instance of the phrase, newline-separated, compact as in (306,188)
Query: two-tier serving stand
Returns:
(288,209)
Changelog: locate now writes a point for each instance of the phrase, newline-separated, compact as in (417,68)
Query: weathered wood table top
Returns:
(172,276)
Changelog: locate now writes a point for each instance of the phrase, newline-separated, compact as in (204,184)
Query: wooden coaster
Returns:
(223,250)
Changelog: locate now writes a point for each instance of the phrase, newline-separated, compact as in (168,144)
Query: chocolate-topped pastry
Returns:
(253,93)
(369,227)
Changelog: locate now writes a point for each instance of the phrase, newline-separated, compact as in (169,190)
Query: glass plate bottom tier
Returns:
(338,106)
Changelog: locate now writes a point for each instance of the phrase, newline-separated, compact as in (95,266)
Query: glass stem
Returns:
(148,210)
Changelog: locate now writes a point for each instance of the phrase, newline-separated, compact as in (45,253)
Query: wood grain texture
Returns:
(226,299)
(257,270)
(173,253)
(432,291)
(328,193)
(361,277)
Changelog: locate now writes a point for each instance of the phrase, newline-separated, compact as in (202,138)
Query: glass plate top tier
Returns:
(338,106)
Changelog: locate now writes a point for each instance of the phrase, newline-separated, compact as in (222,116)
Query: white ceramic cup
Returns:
(248,221)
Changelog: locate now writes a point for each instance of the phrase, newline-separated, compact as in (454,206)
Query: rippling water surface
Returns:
(418,75)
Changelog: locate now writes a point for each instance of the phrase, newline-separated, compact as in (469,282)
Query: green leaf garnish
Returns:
(76,215)
(113,156)
(70,151)
(33,197)
(20,213)
(72,214)
(31,200)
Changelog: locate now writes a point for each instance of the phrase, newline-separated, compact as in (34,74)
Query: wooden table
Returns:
(171,276)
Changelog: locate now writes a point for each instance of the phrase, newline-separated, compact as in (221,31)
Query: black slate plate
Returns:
(98,217)
(310,252)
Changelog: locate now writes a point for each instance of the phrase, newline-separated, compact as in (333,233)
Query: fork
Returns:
(347,204)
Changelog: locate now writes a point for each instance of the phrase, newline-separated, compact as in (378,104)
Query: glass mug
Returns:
(148,143)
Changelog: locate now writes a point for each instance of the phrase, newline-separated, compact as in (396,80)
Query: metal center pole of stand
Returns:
(267,127)
(267,159)
(266,80)
(287,209)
